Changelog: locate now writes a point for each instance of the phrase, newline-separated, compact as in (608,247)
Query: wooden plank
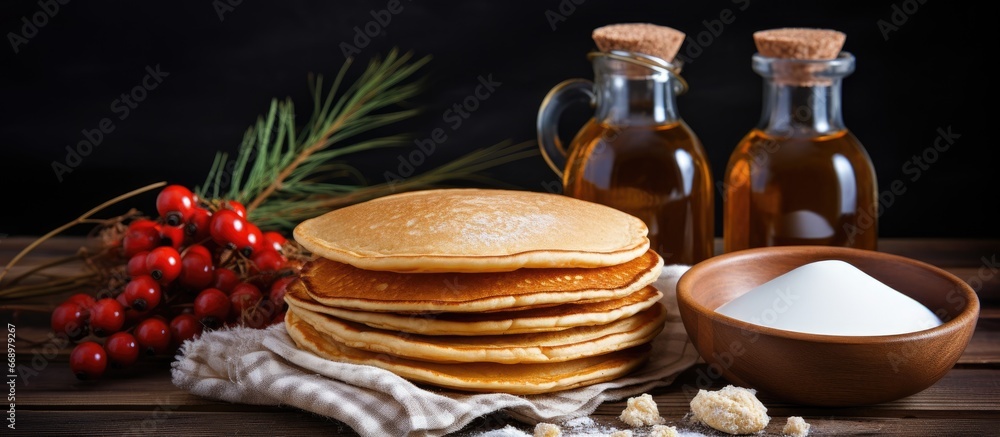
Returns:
(148,386)
(269,423)
(56,246)
(173,422)
(984,347)
(971,391)
(943,252)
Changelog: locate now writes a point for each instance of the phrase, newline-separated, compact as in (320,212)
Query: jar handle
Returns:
(556,101)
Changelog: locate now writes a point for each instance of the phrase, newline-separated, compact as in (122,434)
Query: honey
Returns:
(800,177)
(636,153)
(799,190)
(656,172)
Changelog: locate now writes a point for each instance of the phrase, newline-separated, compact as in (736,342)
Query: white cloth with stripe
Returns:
(264,367)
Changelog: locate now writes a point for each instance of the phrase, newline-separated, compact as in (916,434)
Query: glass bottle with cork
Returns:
(800,177)
(636,154)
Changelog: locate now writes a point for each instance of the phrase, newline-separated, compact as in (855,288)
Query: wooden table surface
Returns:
(144,401)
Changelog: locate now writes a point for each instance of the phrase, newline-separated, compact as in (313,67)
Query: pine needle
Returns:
(286,173)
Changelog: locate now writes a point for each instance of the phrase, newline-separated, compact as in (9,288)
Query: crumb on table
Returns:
(663,431)
(796,427)
(547,430)
(641,411)
(734,410)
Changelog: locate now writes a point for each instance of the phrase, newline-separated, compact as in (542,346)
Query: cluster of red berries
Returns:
(199,265)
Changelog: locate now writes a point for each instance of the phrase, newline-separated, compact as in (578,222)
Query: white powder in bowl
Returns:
(830,297)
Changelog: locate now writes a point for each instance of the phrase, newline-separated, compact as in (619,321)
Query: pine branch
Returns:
(286,173)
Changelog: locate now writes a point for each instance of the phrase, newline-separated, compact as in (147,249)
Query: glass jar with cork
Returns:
(636,153)
(800,177)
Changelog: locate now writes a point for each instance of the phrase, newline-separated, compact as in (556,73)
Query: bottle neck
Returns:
(630,94)
(802,97)
(792,110)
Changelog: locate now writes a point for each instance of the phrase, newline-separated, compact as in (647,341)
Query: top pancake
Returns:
(474,230)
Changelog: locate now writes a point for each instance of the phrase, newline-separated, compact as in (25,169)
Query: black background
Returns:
(927,74)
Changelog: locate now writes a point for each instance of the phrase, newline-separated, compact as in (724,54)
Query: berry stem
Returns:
(75,222)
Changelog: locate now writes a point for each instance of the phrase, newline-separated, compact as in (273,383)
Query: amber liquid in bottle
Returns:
(658,173)
(800,190)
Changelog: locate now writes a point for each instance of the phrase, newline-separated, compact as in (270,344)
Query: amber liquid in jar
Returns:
(800,190)
(658,173)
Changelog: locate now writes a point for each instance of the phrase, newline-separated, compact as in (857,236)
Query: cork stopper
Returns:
(649,39)
(805,44)
(799,43)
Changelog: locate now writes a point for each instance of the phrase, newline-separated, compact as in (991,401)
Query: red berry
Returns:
(106,317)
(237,207)
(255,240)
(244,297)
(131,314)
(274,240)
(199,250)
(88,360)
(122,349)
(228,229)
(153,336)
(164,264)
(184,327)
(142,235)
(211,306)
(142,293)
(83,299)
(277,292)
(69,319)
(199,224)
(172,236)
(174,203)
(197,271)
(268,260)
(225,279)
(137,265)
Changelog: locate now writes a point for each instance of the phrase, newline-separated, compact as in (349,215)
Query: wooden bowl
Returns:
(825,370)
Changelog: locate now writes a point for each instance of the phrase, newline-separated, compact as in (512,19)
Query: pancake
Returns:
(341,285)
(474,230)
(545,347)
(520,379)
(546,319)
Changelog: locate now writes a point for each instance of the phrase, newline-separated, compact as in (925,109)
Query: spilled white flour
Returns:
(507,431)
(583,427)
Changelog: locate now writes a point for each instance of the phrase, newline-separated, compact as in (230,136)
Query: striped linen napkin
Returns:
(264,367)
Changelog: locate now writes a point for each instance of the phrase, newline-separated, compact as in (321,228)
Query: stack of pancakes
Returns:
(479,290)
